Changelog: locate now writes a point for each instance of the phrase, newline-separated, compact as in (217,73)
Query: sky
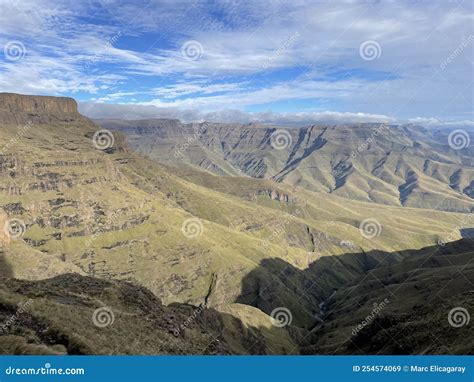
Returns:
(287,62)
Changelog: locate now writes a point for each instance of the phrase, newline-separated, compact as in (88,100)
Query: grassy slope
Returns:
(122,215)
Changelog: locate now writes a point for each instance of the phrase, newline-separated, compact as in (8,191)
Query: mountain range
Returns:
(385,164)
(221,226)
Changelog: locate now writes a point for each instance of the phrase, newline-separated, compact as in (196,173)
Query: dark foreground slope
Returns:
(73,314)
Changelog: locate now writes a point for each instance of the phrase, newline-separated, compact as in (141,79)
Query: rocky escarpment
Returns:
(19,108)
(368,162)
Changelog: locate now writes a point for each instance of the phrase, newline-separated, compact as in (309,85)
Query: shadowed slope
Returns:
(413,293)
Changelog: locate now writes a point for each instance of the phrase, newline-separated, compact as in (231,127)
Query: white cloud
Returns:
(434,122)
(130,112)
(135,112)
(242,47)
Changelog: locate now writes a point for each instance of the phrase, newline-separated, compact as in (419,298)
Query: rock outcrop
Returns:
(19,108)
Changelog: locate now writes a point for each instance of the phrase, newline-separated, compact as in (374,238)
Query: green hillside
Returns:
(74,202)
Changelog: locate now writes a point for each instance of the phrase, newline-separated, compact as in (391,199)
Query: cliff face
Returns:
(18,108)
(11,102)
(390,165)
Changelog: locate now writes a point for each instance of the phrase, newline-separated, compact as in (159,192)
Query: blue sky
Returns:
(265,61)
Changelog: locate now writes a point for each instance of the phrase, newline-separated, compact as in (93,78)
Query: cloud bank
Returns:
(295,59)
(136,112)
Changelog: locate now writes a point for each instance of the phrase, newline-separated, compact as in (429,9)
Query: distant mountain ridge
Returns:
(386,164)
